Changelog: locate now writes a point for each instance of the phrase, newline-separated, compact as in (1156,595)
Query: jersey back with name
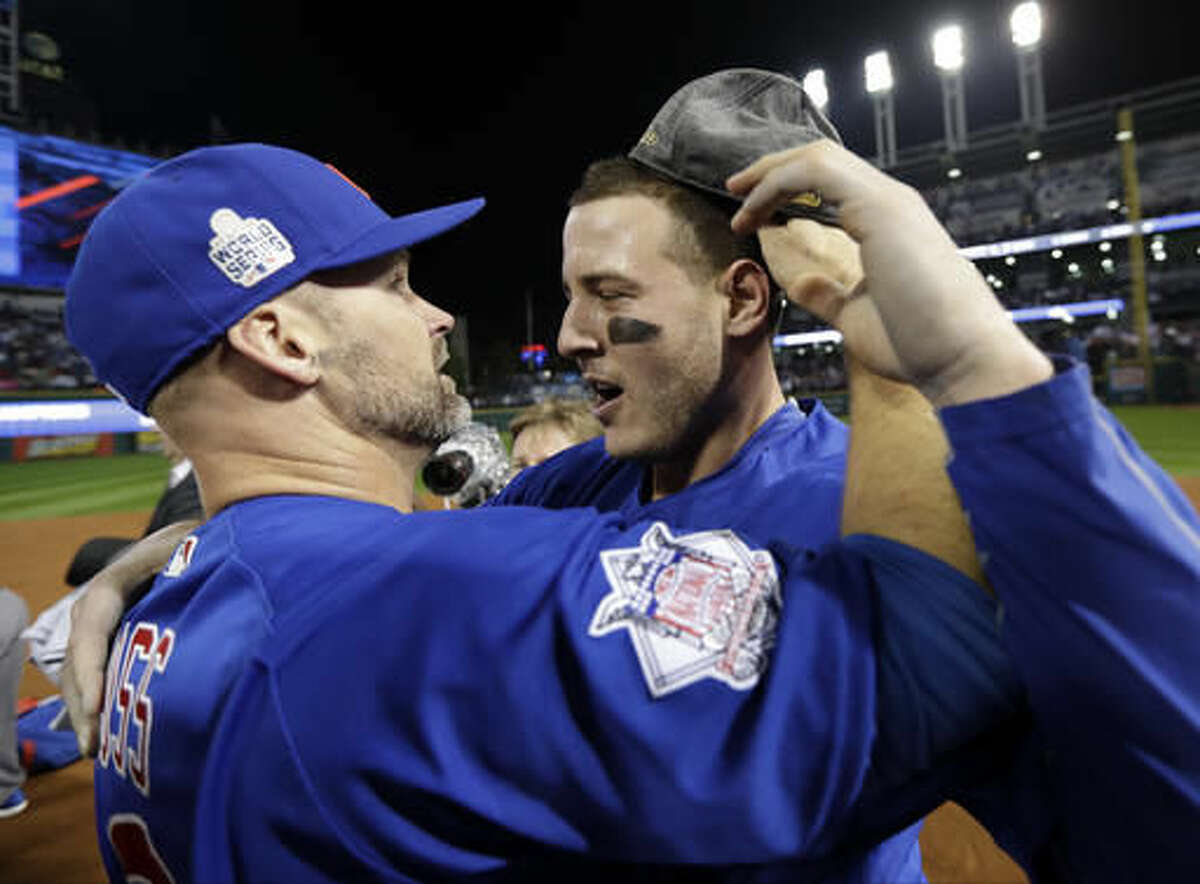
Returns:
(174,659)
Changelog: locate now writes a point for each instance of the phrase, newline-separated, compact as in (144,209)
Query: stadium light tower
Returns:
(1026,25)
(948,57)
(879,84)
(816,89)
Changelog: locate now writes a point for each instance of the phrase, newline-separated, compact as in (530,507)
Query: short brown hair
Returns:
(572,416)
(704,244)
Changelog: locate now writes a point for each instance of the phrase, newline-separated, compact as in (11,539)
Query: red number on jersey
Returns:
(131,842)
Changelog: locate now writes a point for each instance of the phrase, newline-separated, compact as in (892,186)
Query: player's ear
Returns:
(747,290)
(282,338)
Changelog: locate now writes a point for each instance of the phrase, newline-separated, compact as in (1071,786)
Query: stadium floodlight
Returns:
(948,57)
(879,83)
(879,73)
(948,48)
(1124,135)
(1026,25)
(1034,155)
(815,87)
(954,172)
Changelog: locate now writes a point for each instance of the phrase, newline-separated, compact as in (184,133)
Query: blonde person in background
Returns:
(545,428)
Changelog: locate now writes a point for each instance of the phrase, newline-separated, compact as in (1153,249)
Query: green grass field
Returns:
(1169,435)
(44,489)
(79,486)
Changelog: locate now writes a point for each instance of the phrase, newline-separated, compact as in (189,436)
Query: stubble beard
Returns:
(681,405)
(425,413)
(672,434)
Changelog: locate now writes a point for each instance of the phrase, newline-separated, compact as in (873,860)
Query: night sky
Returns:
(436,102)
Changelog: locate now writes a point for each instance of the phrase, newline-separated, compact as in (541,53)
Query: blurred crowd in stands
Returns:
(1101,342)
(819,368)
(1049,197)
(34,351)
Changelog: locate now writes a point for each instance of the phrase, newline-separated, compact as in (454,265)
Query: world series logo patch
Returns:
(247,250)
(698,606)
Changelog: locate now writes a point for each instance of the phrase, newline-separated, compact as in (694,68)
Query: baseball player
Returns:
(695,140)
(560,700)
(670,317)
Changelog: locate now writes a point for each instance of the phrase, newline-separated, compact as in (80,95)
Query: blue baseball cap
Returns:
(197,242)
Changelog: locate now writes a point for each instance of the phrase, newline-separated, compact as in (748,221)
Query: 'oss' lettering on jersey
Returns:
(140,653)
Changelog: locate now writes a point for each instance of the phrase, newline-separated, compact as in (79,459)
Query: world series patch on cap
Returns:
(720,123)
(193,245)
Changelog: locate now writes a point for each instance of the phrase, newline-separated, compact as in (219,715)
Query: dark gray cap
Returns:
(719,124)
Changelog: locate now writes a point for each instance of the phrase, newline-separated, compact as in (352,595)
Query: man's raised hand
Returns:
(922,313)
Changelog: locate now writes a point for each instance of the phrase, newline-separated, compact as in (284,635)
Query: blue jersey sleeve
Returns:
(944,676)
(520,686)
(951,712)
(1094,554)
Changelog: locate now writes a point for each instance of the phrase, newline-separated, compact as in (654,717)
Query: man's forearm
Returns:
(896,481)
(94,617)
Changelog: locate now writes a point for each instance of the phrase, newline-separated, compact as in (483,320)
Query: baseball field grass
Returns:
(126,483)
(1169,434)
(77,486)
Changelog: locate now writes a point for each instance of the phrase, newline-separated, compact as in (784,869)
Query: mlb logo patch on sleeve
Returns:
(182,557)
(699,606)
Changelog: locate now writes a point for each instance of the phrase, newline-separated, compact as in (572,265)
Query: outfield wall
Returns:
(25,448)
(33,429)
